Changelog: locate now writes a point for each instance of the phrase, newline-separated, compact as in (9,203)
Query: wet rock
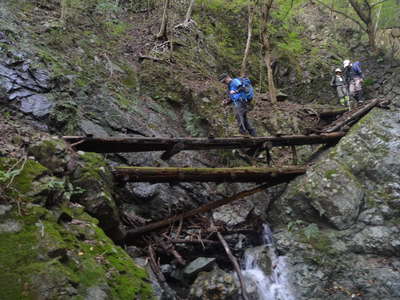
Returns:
(166,269)
(10,226)
(233,214)
(51,153)
(97,293)
(377,240)
(20,93)
(259,256)
(200,264)
(90,128)
(331,190)
(37,105)
(215,285)
(160,292)
(371,217)
(4,209)
(143,191)
(134,251)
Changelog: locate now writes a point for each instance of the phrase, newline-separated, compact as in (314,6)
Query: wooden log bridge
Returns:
(246,174)
(175,145)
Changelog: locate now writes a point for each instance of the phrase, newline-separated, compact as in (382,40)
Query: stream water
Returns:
(274,286)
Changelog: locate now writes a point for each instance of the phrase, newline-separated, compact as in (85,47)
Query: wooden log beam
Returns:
(144,144)
(246,174)
(132,234)
(354,117)
(327,114)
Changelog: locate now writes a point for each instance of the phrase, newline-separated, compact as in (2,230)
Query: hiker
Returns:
(240,94)
(354,78)
(338,82)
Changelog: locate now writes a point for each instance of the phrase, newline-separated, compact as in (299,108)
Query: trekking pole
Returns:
(348,95)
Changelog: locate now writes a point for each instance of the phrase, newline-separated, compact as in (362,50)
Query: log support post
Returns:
(294,153)
(175,149)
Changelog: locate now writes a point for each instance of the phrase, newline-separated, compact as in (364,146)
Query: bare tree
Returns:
(365,12)
(249,37)
(266,7)
(189,12)
(162,34)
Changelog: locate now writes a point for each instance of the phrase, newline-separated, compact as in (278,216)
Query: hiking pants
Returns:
(341,91)
(356,88)
(241,110)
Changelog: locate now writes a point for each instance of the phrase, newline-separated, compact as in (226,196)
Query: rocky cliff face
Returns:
(339,224)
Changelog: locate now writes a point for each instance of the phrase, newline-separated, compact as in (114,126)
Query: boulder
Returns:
(381,240)
(200,264)
(93,176)
(38,105)
(331,190)
(43,259)
(215,285)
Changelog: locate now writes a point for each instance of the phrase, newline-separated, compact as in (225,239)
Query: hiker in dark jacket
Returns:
(354,78)
(338,82)
(240,99)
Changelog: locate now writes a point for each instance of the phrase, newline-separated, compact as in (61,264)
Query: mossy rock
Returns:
(47,259)
(95,179)
(51,153)
(19,177)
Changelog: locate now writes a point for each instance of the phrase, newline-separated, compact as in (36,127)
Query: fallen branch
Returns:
(169,249)
(354,117)
(181,241)
(143,57)
(234,262)
(131,235)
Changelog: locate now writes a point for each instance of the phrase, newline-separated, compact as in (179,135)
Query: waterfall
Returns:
(262,286)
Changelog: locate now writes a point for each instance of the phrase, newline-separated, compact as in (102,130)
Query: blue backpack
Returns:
(357,68)
(247,89)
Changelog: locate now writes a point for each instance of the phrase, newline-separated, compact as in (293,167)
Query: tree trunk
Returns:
(163,29)
(189,12)
(265,11)
(248,43)
(371,36)
(268,63)
(170,174)
(173,145)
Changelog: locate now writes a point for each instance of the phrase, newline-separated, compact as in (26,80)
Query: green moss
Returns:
(65,117)
(94,166)
(25,173)
(89,260)
(330,174)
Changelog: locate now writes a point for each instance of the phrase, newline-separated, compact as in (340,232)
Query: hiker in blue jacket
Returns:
(354,78)
(240,93)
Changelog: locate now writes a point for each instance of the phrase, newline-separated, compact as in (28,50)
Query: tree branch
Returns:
(342,13)
(377,3)
(359,11)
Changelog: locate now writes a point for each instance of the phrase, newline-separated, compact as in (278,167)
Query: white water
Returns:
(268,287)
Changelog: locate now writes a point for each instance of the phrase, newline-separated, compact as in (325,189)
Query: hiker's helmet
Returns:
(346,63)
(338,70)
